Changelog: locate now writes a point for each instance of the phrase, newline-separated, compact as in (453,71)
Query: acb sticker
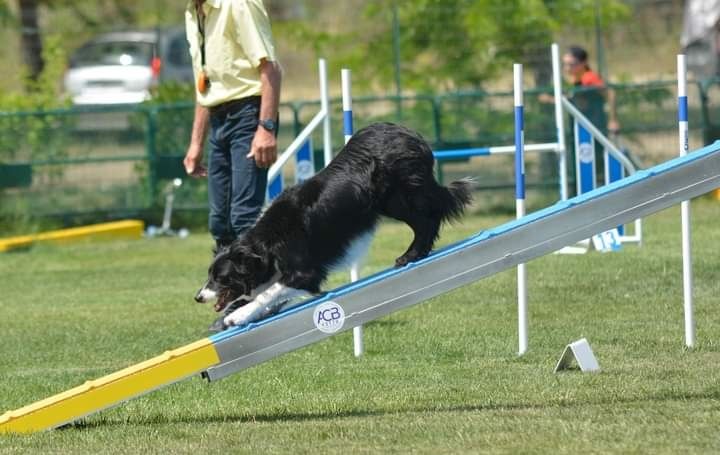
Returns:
(329,317)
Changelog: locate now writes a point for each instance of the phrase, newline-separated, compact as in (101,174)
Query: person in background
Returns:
(237,95)
(590,95)
(590,91)
(238,83)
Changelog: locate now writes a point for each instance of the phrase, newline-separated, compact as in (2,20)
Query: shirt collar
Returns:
(211,3)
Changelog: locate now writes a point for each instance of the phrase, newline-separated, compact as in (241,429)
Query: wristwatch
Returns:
(269,124)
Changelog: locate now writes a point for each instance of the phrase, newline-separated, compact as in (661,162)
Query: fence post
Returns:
(705,111)
(150,148)
(437,130)
(297,127)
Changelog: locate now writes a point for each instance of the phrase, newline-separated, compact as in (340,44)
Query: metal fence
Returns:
(115,162)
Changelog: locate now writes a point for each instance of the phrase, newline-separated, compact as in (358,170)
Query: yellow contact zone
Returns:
(114,388)
(126,229)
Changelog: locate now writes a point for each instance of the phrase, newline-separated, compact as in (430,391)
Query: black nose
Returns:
(198,298)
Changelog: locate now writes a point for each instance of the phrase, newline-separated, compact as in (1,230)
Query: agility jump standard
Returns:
(477,257)
(348,131)
(520,202)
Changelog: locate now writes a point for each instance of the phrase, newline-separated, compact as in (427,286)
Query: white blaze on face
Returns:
(206,295)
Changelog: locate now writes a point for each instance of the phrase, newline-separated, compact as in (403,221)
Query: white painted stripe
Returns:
(346,89)
(324,107)
(517,84)
(682,75)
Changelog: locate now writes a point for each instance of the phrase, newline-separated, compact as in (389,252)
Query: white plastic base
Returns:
(582,353)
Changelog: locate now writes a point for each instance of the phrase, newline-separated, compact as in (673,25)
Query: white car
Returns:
(122,67)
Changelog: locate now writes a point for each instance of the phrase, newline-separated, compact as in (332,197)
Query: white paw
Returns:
(253,311)
(243,315)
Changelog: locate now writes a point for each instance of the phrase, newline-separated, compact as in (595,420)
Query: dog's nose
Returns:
(199,298)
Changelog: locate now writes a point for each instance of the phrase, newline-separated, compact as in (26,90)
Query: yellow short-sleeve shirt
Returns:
(237,38)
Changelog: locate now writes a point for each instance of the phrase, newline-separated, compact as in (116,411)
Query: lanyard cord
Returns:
(201,31)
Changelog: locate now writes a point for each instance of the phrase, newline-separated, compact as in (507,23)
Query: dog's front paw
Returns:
(242,316)
(253,311)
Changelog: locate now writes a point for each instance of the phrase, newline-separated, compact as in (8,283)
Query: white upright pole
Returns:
(348,132)
(520,204)
(325,107)
(685,205)
(345,80)
(559,122)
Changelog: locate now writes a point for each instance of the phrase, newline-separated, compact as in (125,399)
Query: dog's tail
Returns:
(455,198)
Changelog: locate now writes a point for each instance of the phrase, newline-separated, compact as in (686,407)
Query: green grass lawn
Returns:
(440,377)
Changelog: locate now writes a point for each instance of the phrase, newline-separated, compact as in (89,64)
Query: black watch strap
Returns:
(269,124)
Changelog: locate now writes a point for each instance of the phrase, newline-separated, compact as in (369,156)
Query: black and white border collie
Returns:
(319,225)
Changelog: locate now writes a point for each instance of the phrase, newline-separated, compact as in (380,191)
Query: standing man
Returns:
(237,94)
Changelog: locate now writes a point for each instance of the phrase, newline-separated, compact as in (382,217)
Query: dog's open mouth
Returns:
(219,306)
(224,299)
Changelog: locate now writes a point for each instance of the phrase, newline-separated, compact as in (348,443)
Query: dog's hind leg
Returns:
(425,225)
(425,230)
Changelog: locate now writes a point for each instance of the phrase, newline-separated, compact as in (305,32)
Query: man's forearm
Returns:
(270,81)
(200,125)
(611,105)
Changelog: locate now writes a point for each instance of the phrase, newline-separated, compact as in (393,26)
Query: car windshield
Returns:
(113,53)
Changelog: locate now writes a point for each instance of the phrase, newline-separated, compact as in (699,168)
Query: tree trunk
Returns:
(30,41)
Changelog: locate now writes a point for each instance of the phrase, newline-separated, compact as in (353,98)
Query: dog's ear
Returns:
(221,246)
(247,259)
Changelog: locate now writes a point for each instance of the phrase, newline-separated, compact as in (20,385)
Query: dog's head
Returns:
(235,272)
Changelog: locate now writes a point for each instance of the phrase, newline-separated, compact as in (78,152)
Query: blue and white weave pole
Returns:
(613,169)
(520,203)
(685,205)
(348,132)
(304,163)
(275,187)
(347,104)
(613,172)
(584,159)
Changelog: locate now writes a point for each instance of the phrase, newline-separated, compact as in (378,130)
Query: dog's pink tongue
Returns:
(219,307)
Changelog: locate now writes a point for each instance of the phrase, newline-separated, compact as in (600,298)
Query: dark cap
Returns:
(578,53)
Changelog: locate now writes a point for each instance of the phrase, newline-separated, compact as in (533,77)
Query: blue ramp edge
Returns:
(481,236)
(454,154)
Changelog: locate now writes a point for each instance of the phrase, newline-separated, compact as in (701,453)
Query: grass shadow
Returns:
(161,419)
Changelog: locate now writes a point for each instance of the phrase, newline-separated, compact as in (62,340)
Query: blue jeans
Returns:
(236,186)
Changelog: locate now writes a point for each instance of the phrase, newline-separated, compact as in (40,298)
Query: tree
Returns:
(23,15)
(30,39)
(451,44)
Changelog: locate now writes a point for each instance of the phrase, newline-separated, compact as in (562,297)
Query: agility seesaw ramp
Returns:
(479,256)
(125,229)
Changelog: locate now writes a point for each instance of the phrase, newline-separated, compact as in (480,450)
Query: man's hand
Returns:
(193,162)
(613,126)
(546,98)
(263,148)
